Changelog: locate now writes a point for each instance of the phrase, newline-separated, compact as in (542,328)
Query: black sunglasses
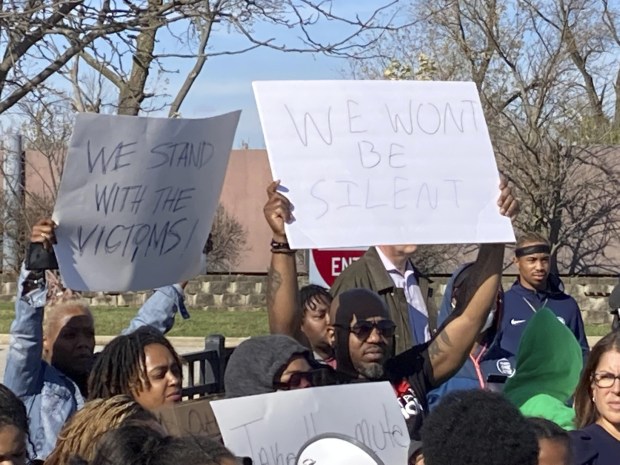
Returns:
(295,381)
(363,328)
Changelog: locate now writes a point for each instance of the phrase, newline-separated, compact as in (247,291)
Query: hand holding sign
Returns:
(278,212)
(137,199)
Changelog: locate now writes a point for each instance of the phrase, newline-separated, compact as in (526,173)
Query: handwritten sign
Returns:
(271,428)
(382,162)
(137,199)
(189,418)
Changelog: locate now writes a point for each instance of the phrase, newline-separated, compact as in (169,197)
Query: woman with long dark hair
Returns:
(597,406)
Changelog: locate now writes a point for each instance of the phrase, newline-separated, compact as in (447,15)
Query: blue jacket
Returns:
(593,445)
(521,303)
(488,359)
(50,396)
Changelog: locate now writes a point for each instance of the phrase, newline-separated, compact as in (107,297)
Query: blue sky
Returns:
(225,83)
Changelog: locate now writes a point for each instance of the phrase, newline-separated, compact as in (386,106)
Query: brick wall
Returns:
(247,293)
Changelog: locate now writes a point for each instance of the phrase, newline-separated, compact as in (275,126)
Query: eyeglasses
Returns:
(363,328)
(605,380)
(296,380)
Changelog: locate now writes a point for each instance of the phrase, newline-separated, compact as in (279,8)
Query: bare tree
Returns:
(113,54)
(124,41)
(229,239)
(548,74)
(45,139)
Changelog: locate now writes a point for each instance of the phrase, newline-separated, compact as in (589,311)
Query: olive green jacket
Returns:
(369,273)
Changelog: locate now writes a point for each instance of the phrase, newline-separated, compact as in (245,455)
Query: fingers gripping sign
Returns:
(507,203)
(43,232)
(278,212)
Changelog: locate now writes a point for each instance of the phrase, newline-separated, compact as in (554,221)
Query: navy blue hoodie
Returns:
(488,359)
(593,445)
(521,303)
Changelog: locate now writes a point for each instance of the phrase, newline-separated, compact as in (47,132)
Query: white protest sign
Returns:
(137,199)
(382,162)
(271,428)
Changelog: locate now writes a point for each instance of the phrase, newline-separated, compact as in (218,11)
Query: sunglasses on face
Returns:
(363,328)
(296,380)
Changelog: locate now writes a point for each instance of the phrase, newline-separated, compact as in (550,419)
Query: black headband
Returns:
(532,249)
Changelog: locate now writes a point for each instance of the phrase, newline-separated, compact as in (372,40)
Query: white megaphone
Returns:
(336,449)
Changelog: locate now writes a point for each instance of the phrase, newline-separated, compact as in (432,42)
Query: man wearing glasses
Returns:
(364,337)
(264,364)
(362,332)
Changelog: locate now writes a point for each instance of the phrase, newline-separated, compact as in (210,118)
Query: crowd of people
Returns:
(493,376)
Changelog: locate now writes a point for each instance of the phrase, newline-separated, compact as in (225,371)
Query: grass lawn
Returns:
(598,330)
(111,321)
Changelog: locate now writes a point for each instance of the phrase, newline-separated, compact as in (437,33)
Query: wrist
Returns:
(280,238)
(281,247)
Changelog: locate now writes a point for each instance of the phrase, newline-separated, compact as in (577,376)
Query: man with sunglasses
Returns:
(364,338)
(361,328)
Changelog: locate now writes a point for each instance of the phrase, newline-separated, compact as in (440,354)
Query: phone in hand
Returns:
(38,258)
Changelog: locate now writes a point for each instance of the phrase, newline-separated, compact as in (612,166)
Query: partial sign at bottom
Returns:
(272,428)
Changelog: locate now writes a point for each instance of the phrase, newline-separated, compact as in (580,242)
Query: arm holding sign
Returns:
(24,364)
(50,395)
(160,309)
(283,303)
(452,344)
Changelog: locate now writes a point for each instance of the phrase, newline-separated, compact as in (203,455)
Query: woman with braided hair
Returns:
(143,365)
(136,445)
(52,344)
(82,432)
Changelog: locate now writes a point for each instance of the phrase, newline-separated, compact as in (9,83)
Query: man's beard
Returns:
(371,371)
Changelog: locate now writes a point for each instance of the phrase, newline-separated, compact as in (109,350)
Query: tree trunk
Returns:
(132,91)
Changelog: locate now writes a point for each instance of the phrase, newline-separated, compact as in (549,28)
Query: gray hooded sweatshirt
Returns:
(255,362)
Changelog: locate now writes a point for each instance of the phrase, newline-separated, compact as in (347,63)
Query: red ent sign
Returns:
(326,265)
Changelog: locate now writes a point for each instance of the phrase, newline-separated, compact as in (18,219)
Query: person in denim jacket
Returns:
(49,358)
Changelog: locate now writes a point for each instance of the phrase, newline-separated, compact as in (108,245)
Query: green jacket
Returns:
(369,273)
(548,366)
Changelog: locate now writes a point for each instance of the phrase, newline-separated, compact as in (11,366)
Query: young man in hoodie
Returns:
(534,289)
(487,363)
(548,366)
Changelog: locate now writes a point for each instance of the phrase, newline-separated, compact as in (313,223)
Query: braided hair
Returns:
(310,294)
(198,449)
(121,367)
(82,432)
(133,443)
